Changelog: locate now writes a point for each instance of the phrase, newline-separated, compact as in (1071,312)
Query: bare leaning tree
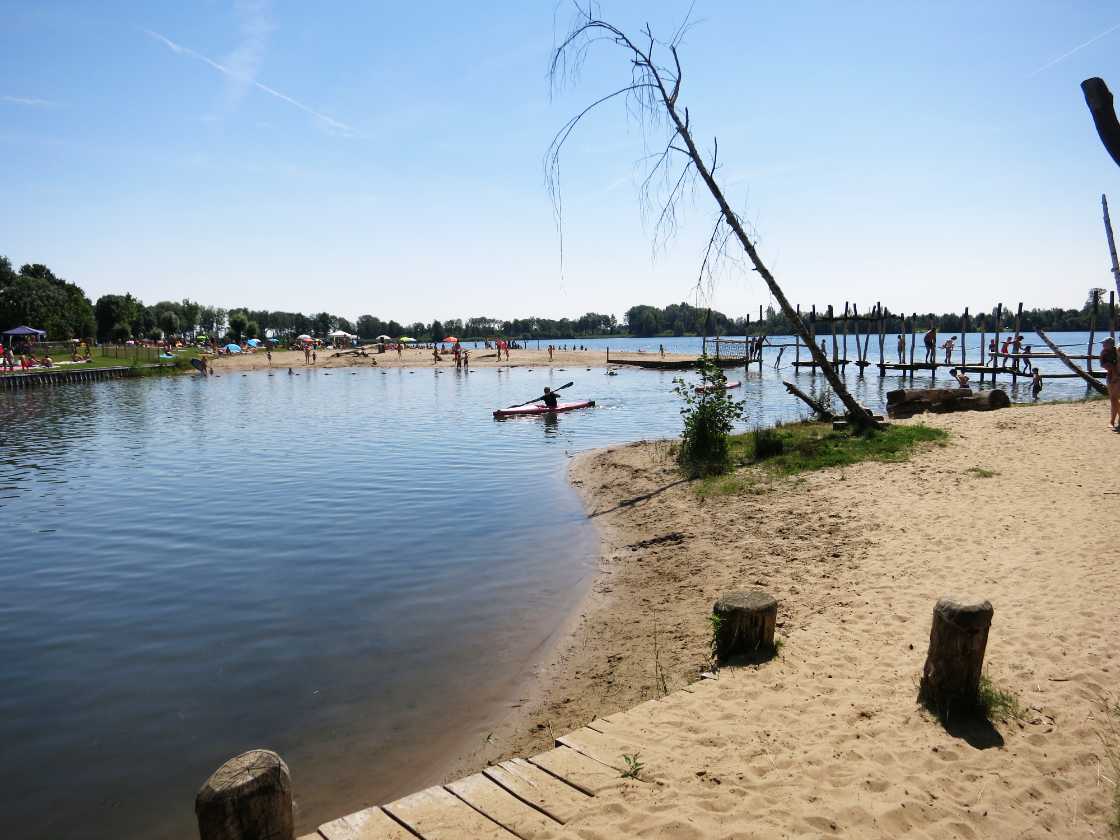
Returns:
(652,99)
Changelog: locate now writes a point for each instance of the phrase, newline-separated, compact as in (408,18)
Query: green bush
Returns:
(709,416)
(767,443)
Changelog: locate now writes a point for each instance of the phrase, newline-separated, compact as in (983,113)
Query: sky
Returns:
(388,159)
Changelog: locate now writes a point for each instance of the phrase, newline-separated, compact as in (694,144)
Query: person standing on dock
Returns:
(1016,348)
(901,349)
(1111,364)
(930,341)
(948,348)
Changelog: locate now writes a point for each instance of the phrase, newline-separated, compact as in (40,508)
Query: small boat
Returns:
(703,389)
(529,410)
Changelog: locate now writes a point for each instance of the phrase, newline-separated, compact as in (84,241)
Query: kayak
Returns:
(703,389)
(529,410)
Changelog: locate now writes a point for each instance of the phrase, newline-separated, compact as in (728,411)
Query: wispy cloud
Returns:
(238,75)
(30,101)
(245,60)
(1076,49)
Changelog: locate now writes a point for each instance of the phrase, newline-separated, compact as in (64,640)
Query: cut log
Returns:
(903,395)
(248,798)
(1100,387)
(984,401)
(957,641)
(819,408)
(744,624)
(902,404)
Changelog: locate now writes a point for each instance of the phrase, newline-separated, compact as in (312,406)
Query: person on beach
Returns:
(9,359)
(549,398)
(550,352)
(466,359)
(930,340)
(307,354)
(268,352)
(960,376)
(661,350)
(1110,361)
(435,355)
(458,361)
(901,345)
(506,343)
(314,358)
(1036,383)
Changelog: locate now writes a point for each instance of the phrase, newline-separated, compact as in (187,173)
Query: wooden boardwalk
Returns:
(528,798)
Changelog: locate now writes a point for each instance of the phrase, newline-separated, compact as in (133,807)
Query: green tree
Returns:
(168,323)
(238,322)
(111,310)
(252,329)
(120,333)
(709,416)
(435,331)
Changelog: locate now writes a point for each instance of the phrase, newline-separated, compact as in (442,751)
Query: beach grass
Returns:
(793,448)
(998,703)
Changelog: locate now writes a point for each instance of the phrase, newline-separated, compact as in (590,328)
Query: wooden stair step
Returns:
(590,776)
(435,814)
(483,794)
(370,824)
(531,784)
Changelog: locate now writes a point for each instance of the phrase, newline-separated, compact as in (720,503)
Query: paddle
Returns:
(541,397)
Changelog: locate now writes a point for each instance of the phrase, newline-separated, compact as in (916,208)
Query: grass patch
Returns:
(997,703)
(1110,738)
(787,450)
(633,766)
(980,472)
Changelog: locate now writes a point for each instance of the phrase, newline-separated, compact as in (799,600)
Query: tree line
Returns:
(36,297)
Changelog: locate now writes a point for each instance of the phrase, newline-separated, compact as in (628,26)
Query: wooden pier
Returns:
(525,798)
(62,376)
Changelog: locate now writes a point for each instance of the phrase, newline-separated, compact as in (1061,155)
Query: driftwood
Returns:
(1100,387)
(744,624)
(957,641)
(908,402)
(819,408)
(349,353)
(248,798)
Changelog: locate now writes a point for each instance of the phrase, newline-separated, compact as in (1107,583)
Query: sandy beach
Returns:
(827,739)
(479,358)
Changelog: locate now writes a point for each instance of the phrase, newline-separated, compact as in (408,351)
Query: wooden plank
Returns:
(482,794)
(370,824)
(529,783)
(610,749)
(435,814)
(315,836)
(590,776)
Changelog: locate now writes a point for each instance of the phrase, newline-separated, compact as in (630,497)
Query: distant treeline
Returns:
(36,297)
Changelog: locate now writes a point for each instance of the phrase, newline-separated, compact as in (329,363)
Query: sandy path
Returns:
(827,740)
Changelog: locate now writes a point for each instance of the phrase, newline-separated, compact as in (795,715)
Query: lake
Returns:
(354,568)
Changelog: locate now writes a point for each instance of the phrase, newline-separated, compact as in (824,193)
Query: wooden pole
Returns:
(1092,381)
(1092,328)
(964,334)
(813,337)
(1111,243)
(845,354)
(882,334)
(832,324)
(248,798)
(913,337)
(744,625)
(982,347)
(1015,367)
(996,360)
(797,345)
(1112,315)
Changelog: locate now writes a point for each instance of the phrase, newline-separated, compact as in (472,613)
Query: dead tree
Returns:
(1099,99)
(652,95)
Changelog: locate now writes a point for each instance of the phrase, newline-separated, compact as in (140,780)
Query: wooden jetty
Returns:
(42,378)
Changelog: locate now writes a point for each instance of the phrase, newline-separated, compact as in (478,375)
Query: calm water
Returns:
(354,568)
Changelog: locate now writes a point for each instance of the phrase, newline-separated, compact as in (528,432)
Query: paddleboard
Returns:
(703,389)
(529,410)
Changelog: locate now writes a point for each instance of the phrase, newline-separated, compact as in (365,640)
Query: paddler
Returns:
(549,398)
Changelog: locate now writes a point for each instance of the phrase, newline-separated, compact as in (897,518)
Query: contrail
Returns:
(1076,49)
(26,100)
(181,50)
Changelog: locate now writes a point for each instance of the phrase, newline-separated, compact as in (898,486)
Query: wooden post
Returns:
(248,798)
(835,347)
(964,335)
(844,356)
(996,360)
(982,347)
(1112,315)
(957,641)
(744,624)
(859,355)
(797,345)
(913,338)
(1015,367)
(882,334)
(1092,329)
(813,336)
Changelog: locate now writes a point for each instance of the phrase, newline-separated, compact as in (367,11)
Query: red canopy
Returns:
(451,340)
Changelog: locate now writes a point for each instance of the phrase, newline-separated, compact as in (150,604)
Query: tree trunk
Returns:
(957,641)
(248,798)
(744,624)
(818,407)
(1100,387)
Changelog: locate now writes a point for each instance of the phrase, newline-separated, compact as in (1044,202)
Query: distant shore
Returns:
(479,358)
(856,586)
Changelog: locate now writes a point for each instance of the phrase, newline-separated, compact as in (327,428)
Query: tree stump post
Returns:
(957,641)
(743,624)
(248,798)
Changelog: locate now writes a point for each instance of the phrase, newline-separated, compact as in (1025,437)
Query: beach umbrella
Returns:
(253,342)
(451,340)
(304,337)
(384,338)
(274,340)
(407,340)
(233,348)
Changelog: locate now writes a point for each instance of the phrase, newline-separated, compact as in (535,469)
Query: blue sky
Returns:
(388,158)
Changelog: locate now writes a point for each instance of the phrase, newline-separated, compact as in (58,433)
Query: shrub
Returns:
(709,415)
(767,443)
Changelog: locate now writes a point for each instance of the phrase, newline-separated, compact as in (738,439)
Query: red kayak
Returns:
(527,410)
(703,389)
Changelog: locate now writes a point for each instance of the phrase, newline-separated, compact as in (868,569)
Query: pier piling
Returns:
(958,639)
(248,798)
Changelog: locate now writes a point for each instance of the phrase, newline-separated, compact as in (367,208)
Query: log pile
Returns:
(906,402)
